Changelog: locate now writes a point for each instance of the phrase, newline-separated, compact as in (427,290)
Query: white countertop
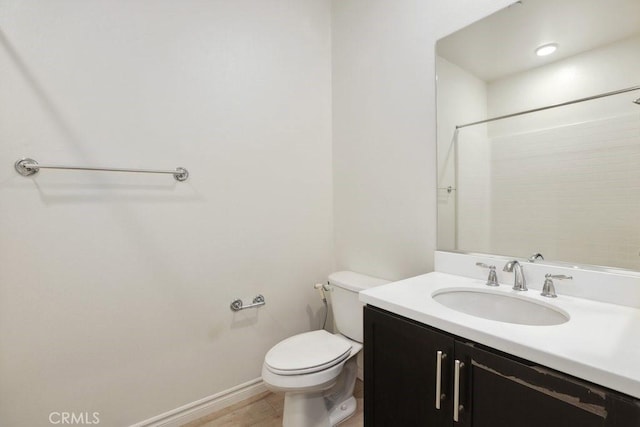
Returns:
(600,343)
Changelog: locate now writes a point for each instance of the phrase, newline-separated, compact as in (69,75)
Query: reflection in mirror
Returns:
(560,180)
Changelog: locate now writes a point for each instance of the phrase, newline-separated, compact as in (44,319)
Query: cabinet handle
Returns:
(457,407)
(439,396)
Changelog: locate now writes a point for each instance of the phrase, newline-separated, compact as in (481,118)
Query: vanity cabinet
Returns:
(495,389)
(399,369)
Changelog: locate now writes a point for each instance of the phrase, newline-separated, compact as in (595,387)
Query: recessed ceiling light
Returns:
(546,49)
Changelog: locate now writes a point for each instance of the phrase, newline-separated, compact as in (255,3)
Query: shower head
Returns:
(637,101)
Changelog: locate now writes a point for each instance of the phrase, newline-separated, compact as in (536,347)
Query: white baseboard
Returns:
(200,408)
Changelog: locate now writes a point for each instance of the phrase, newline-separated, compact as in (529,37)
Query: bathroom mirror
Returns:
(560,175)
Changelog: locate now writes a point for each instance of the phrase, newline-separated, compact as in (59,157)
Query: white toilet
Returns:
(317,370)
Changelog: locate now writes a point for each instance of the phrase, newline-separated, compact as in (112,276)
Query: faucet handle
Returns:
(558,276)
(492,280)
(548,289)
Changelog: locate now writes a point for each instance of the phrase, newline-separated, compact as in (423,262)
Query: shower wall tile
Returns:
(571,192)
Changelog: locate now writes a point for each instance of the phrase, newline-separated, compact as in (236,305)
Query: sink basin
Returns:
(499,306)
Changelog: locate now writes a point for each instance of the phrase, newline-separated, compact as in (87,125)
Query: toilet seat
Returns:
(307,353)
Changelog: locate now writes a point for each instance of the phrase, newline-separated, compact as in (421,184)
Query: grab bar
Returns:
(28,167)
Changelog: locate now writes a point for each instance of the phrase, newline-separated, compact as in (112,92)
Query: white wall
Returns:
(384,132)
(115,289)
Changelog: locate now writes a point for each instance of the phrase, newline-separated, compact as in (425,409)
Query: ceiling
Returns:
(504,43)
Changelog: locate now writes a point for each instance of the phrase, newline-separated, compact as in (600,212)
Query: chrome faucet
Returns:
(535,257)
(492,280)
(519,284)
(548,290)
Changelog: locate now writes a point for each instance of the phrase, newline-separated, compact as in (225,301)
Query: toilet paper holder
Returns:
(237,304)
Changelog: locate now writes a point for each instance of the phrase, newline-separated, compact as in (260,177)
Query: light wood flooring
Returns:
(265,410)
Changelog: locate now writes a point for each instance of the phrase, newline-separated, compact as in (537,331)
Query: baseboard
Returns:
(200,408)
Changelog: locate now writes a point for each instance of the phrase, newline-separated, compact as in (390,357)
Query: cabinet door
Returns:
(499,391)
(400,360)
(625,411)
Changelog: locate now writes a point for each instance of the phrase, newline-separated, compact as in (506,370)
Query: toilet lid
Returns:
(306,353)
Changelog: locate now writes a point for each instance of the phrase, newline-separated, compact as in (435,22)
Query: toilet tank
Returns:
(347,308)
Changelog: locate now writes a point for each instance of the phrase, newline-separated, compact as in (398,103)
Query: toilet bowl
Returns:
(317,370)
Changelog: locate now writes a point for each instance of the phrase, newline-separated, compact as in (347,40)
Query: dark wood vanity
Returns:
(404,358)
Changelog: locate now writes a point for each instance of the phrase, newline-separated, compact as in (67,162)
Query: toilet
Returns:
(317,370)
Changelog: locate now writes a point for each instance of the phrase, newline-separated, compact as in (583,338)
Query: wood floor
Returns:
(265,410)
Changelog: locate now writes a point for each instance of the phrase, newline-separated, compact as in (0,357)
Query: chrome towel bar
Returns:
(27,167)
